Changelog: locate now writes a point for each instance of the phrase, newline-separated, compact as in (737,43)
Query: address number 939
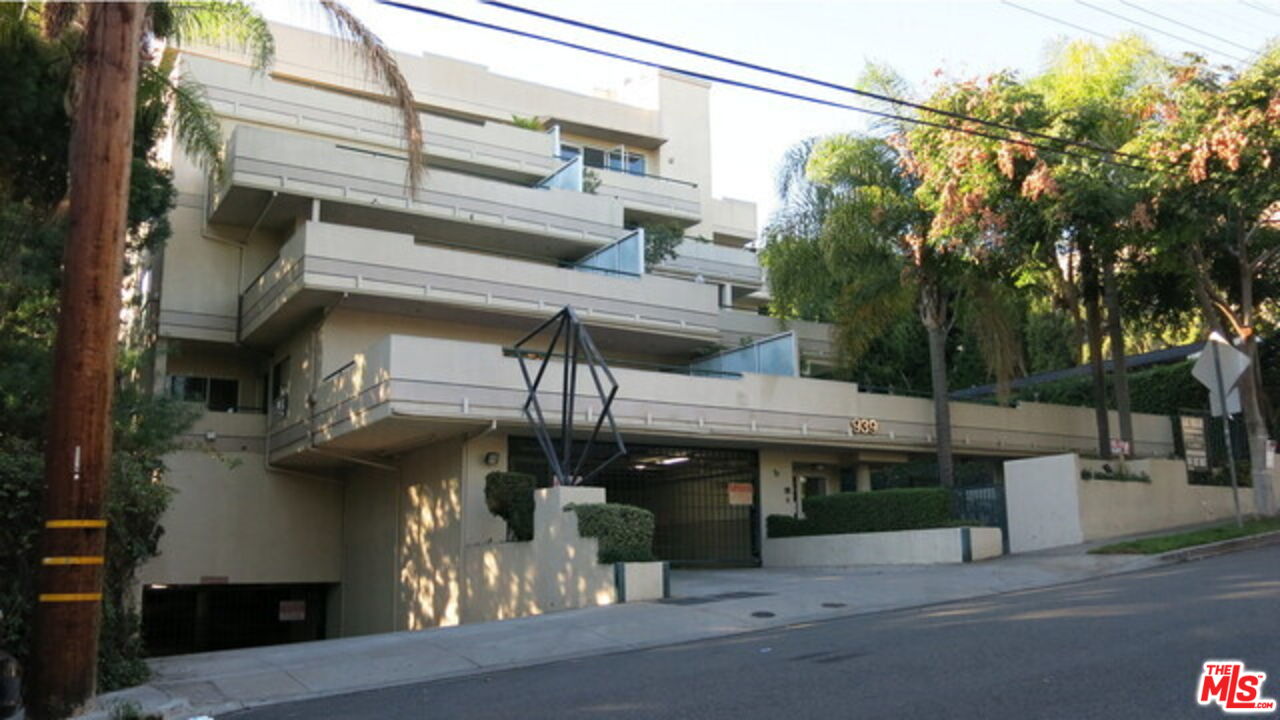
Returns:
(864,426)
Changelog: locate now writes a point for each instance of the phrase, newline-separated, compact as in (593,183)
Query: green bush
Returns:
(509,495)
(625,532)
(924,473)
(777,526)
(1115,476)
(879,511)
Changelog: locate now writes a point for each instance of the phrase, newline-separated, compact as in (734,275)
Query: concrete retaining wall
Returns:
(1051,505)
(557,570)
(901,547)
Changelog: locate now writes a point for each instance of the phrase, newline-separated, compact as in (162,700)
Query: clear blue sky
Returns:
(828,39)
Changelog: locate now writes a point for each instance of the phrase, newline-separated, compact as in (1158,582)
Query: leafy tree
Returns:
(856,245)
(1217,211)
(39,47)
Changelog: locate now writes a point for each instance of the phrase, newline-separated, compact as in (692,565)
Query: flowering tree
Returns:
(1218,207)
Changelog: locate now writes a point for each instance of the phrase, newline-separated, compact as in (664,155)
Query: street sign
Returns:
(1219,368)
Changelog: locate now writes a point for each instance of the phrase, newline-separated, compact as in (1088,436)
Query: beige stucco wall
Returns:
(1051,505)
(1110,509)
(557,570)
(233,518)
(901,547)
(402,543)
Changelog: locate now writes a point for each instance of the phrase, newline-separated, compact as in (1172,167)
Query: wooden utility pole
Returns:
(78,451)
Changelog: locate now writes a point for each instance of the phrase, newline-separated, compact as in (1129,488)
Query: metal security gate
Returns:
(983,505)
(698,520)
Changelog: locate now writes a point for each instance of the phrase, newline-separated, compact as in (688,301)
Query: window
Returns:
(224,395)
(217,394)
(189,389)
(618,159)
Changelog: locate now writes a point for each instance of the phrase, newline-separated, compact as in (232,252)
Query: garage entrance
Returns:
(704,500)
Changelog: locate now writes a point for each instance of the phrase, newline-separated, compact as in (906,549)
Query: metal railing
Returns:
(633,364)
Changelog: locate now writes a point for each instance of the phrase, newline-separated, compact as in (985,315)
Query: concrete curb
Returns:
(1221,547)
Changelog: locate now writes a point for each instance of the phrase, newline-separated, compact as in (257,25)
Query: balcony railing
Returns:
(360,183)
(399,382)
(323,260)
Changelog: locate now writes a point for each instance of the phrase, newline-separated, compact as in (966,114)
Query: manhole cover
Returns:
(762,614)
(833,605)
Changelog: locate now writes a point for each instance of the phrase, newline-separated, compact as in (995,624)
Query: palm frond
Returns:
(988,314)
(382,65)
(227,24)
(56,17)
(195,124)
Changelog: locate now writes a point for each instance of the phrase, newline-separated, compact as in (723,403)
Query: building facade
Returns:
(351,347)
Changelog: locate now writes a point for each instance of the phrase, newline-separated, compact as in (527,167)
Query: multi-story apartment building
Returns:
(351,346)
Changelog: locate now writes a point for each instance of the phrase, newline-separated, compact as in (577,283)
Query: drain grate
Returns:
(833,605)
(762,614)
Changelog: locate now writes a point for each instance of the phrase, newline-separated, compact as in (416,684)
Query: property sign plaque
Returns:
(1193,443)
(293,610)
(741,494)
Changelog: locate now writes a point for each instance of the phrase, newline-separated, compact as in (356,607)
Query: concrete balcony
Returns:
(732,222)
(715,263)
(389,272)
(649,197)
(496,149)
(404,390)
(272,178)
(816,343)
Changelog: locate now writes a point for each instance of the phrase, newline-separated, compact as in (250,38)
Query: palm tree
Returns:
(108,78)
(853,243)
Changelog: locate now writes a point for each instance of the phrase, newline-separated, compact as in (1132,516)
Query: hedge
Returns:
(878,511)
(509,495)
(924,473)
(625,532)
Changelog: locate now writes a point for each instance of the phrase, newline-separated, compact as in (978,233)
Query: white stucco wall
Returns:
(901,547)
(1043,502)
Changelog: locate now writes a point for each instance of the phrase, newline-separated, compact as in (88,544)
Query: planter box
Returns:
(900,547)
(637,581)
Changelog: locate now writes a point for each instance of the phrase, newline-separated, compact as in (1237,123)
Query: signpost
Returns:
(1219,368)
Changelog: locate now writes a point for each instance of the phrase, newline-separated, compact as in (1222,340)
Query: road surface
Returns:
(1127,646)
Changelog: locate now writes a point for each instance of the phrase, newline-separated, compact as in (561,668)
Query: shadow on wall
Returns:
(556,570)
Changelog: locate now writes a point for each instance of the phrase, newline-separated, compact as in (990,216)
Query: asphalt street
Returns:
(1126,646)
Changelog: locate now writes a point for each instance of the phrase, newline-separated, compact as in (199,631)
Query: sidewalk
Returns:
(705,604)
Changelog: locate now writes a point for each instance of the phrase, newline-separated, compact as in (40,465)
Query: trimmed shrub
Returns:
(625,532)
(1116,476)
(879,511)
(509,495)
(777,526)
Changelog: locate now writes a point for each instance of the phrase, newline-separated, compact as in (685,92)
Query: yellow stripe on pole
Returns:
(60,524)
(70,597)
(74,560)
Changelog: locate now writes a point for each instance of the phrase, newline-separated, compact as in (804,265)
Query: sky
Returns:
(827,39)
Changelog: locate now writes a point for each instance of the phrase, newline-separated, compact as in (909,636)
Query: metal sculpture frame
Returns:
(577,345)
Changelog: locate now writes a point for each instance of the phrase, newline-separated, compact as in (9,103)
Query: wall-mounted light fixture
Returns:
(491,458)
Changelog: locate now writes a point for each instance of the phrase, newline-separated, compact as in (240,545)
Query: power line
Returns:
(1193,28)
(1259,8)
(806,79)
(1154,29)
(759,88)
